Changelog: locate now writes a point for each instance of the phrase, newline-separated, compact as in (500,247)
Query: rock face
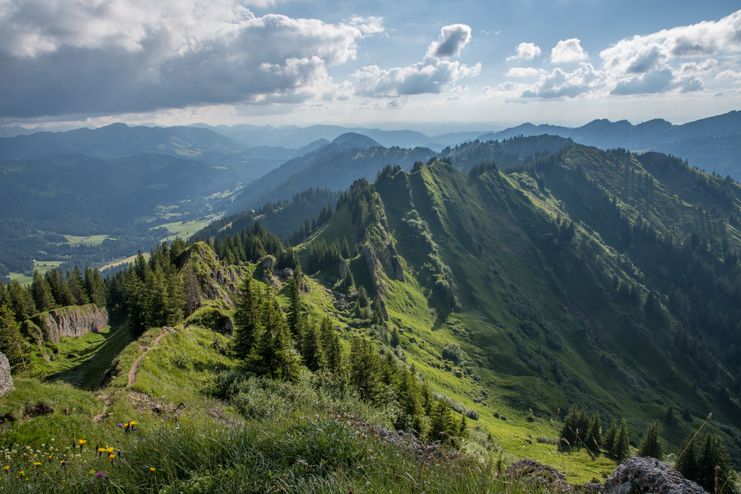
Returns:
(6,380)
(643,475)
(71,321)
(537,477)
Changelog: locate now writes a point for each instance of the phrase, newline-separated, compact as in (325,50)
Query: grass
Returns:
(41,266)
(183,229)
(87,240)
(121,262)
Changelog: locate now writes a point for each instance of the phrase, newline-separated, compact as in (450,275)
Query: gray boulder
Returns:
(639,475)
(6,380)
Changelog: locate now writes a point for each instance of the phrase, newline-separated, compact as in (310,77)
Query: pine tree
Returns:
(59,288)
(441,423)
(135,302)
(4,299)
(650,447)
(394,342)
(296,316)
(21,301)
(77,287)
(365,369)
(311,349)
(687,461)
(575,428)
(609,437)
(247,320)
(594,434)
(331,348)
(12,343)
(95,287)
(41,292)
(714,467)
(273,353)
(411,404)
(621,446)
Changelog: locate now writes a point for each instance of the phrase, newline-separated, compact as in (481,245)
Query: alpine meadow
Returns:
(278,246)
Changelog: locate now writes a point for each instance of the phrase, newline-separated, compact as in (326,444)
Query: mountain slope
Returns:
(547,277)
(712,143)
(334,166)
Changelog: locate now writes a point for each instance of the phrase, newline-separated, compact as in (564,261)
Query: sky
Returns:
(414,64)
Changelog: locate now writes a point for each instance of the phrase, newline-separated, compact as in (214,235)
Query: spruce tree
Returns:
(296,316)
(686,462)
(331,348)
(409,396)
(12,343)
(77,287)
(41,292)
(441,423)
(594,434)
(21,301)
(247,319)
(311,348)
(4,299)
(95,287)
(621,446)
(59,288)
(365,369)
(273,353)
(714,467)
(609,437)
(651,447)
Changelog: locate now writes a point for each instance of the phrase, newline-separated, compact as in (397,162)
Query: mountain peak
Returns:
(355,140)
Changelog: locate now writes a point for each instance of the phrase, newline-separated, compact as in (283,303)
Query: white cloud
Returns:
(728,75)
(568,50)
(432,75)
(453,38)
(522,72)
(420,78)
(79,57)
(525,51)
(564,84)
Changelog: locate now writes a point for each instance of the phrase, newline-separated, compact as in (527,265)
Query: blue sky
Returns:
(389,63)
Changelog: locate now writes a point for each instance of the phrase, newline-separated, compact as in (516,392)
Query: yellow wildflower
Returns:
(151,469)
(111,457)
(6,468)
(37,463)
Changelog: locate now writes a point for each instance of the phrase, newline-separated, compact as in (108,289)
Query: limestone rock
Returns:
(648,475)
(71,321)
(538,477)
(6,380)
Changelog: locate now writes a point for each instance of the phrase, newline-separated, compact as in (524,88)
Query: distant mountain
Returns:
(713,143)
(333,166)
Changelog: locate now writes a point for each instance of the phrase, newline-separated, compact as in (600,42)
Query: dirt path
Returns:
(137,363)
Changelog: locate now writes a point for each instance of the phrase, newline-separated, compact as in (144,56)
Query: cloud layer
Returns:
(72,56)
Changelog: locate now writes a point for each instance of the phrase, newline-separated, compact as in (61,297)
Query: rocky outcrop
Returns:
(536,477)
(643,475)
(73,321)
(205,277)
(6,380)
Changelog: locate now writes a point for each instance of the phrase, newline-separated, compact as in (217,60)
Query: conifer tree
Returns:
(21,301)
(621,446)
(575,428)
(12,343)
(77,287)
(41,292)
(273,353)
(95,287)
(365,369)
(59,288)
(441,423)
(311,348)
(394,341)
(247,319)
(687,461)
(609,437)
(650,447)
(410,401)
(331,348)
(296,316)
(594,434)
(714,467)
(4,299)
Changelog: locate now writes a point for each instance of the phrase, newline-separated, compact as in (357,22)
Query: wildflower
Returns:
(21,473)
(62,463)
(6,468)
(111,457)
(37,464)
(100,475)
(101,450)
(119,425)
(151,469)
(49,458)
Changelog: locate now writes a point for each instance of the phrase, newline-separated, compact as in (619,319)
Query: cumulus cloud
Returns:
(453,38)
(560,83)
(671,59)
(522,72)
(76,57)
(420,78)
(568,50)
(432,75)
(525,51)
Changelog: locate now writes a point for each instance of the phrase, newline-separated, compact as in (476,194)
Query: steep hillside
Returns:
(334,166)
(537,274)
